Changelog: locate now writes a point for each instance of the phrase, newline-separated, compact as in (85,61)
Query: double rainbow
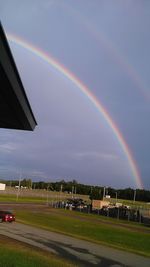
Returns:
(89,95)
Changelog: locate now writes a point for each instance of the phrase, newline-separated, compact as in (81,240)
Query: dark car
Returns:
(6,216)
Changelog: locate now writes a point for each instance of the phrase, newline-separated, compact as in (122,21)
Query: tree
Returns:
(96,193)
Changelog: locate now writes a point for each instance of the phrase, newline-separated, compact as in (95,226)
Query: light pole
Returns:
(134,195)
(75,190)
(47,194)
(18,191)
(116,197)
(104,193)
(72,191)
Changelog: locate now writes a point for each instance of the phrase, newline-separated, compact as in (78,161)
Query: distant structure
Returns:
(99,204)
(107,196)
(15,110)
(2,186)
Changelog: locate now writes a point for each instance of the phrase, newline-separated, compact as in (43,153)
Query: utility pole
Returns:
(134,195)
(61,188)
(104,193)
(31,185)
(116,197)
(48,186)
(18,191)
(72,191)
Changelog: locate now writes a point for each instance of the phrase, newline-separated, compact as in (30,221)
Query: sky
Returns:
(85,69)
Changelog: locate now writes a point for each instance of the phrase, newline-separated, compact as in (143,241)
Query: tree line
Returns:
(73,187)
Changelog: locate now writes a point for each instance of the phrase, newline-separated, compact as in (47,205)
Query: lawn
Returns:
(131,203)
(134,237)
(14,253)
(22,199)
(110,232)
(43,196)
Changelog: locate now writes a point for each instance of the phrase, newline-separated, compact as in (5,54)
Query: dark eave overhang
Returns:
(15,110)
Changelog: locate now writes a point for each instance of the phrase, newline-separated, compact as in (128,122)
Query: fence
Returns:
(139,215)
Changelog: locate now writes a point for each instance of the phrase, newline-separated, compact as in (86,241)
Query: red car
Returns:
(6,216)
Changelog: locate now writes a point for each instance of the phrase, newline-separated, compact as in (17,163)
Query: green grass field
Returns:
(131,203)
(22,199)
(17,254)
(43,196)
(34,196)
(112,232)
(130,237)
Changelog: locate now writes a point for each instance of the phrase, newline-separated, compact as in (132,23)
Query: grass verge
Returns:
(16,254)
(130,239)
(22,199)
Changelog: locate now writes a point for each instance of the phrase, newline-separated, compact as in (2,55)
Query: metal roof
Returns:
(15,109)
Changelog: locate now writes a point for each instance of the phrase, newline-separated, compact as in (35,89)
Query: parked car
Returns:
(6,216)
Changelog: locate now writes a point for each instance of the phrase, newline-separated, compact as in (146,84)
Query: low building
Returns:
(99,204)
(107,196)
(2,186)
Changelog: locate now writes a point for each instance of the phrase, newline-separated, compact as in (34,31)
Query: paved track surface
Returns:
(81,252)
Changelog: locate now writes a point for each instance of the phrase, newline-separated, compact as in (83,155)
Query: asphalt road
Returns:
(81,252)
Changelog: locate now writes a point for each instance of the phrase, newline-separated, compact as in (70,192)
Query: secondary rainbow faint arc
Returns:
(86,91)
(112,49)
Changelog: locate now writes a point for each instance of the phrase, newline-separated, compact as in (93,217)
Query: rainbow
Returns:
(113,51)
(91,97)
(121,60)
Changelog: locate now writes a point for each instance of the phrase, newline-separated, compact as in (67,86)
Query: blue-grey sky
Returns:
(105,44)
